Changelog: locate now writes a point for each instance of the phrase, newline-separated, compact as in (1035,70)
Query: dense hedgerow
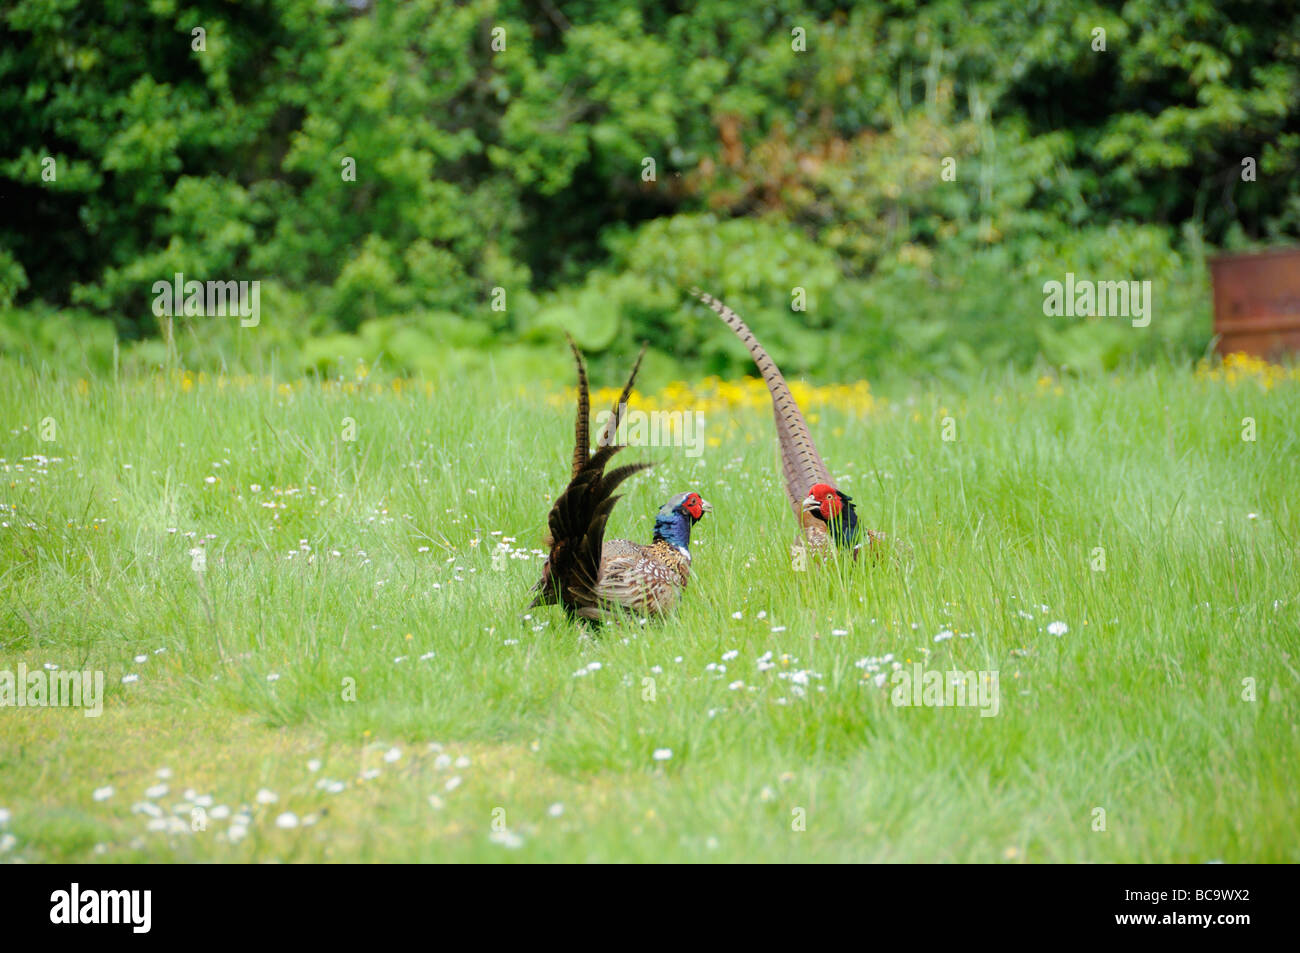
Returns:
(799,146)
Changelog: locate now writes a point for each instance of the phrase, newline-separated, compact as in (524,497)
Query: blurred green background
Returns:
(794,145)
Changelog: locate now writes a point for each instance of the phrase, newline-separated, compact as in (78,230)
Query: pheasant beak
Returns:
(705,506)
(810,503)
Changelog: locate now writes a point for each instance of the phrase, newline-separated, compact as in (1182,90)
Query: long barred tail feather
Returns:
(576,524)
(801,464)
(581,434)
(611,426)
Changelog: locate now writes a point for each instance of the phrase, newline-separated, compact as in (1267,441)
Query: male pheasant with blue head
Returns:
(591,577)
(827,518)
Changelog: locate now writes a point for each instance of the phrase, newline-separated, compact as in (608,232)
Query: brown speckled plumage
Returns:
(646,579)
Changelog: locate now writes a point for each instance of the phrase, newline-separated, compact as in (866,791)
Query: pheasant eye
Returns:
(693,505)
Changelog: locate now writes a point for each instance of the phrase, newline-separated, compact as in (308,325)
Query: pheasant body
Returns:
(589,575)
(643,578)
(827,518)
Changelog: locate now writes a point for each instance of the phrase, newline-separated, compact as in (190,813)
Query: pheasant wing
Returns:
(632,577)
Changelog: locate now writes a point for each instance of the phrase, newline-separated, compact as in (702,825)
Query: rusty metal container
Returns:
(1257,302)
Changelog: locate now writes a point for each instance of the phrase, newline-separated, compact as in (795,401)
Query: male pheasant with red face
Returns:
(825,513)
(589,575)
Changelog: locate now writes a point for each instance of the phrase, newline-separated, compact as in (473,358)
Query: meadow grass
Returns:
(347,644)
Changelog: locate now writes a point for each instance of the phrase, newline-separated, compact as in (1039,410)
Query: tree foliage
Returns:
(507,145)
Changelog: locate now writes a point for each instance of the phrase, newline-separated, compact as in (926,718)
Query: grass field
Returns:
(311,654)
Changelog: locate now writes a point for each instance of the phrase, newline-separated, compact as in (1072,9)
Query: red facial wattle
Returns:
(828,499)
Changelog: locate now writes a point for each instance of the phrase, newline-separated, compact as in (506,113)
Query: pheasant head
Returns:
(834,508)
(677,516)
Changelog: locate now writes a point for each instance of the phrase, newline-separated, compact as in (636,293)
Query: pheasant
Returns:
(590,576)
(826,514)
